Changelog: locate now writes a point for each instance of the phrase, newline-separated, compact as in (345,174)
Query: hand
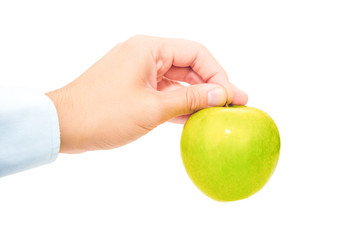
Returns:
(135,87)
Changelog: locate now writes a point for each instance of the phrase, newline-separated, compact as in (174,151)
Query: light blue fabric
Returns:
(29,130)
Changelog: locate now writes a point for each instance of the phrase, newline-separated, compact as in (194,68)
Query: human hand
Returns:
(135,87)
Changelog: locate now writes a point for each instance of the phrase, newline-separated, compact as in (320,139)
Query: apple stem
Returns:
(226,105)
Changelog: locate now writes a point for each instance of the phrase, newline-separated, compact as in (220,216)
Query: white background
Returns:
(298,60)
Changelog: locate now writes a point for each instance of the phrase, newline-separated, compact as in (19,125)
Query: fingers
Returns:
(187,100)
(239,96)
(184,60)
(183,54)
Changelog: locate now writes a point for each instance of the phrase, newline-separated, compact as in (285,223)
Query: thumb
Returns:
(187,100)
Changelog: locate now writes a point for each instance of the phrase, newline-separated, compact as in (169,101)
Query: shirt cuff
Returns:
(29,130)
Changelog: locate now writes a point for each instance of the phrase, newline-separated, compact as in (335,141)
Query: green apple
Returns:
(230,152)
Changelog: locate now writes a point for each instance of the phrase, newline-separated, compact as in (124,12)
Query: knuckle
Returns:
(141,44)
(136,40)
(192,100)
(201,46)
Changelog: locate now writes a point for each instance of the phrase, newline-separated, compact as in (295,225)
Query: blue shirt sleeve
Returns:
(29,130)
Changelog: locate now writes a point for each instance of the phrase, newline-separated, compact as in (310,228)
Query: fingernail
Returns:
(217,97)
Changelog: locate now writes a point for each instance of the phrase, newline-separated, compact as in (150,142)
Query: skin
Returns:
(136,87)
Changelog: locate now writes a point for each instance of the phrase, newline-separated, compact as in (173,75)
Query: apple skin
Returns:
(230,152)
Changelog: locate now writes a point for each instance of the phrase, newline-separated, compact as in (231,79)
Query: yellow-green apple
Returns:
(230,152)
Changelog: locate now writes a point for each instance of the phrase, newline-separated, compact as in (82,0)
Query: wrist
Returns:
(62,100)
